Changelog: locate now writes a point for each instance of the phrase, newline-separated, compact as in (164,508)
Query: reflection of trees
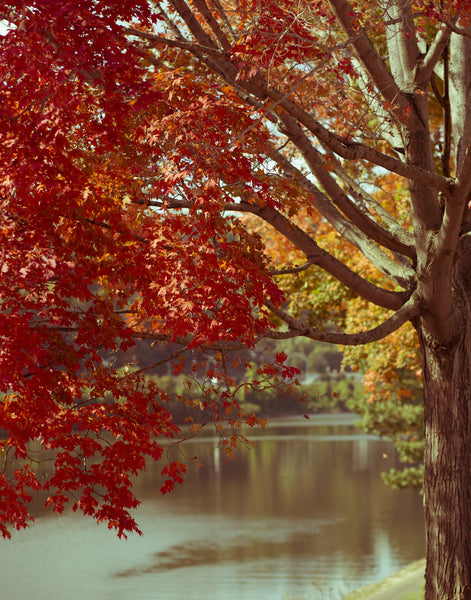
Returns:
(295,477)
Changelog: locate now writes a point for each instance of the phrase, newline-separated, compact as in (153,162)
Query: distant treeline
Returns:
(329,392)
(323,385)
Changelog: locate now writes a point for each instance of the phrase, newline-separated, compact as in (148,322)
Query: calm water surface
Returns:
(304,514)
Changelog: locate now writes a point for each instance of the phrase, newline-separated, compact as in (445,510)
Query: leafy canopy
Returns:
(133,133)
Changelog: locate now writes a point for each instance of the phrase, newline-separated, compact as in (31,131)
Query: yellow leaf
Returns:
(229,451)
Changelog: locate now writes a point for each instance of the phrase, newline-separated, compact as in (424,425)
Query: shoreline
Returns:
(405,584)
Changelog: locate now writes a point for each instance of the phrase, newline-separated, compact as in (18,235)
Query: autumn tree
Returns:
(86,269)
(391,405)
(133,133)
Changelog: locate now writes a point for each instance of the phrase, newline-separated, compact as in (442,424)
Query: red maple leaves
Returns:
(111,228)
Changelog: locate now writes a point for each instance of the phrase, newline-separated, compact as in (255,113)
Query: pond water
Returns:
(302,515)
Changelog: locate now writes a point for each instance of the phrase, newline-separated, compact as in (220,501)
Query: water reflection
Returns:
(265,540)
(304,512)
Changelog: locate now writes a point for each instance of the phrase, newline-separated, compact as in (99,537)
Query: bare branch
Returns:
(368,55)
(408,311)
(433,55)
(293,270)
(205,12)
(323,259)
(402,43)
(365,224)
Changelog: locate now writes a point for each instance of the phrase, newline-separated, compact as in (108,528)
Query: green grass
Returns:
(414,595)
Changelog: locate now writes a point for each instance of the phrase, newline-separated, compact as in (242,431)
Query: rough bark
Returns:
(447,484)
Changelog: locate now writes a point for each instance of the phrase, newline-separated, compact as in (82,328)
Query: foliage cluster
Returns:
(133,136)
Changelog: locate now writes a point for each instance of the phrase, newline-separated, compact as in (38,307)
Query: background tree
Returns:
(132,134)
(391,404)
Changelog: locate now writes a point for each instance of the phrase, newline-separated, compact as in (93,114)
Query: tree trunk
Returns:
(447,485)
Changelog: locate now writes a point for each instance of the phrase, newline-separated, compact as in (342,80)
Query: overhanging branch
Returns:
(320,257)
(368,55)
(314,159)
(296,327)
(257,87)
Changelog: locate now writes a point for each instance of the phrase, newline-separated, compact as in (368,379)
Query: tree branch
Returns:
(451,24)
(192,23)
(350,150)
(388,126)
(163,360)
(314,253)
(159,40)
(257,87)
(367,54)
(220,346)
(402,44)
(462,188)
(433,55)
(363,198)
(401,273)
(323,259)
(293,270)
(316,163)
(205,12)
(296,328)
